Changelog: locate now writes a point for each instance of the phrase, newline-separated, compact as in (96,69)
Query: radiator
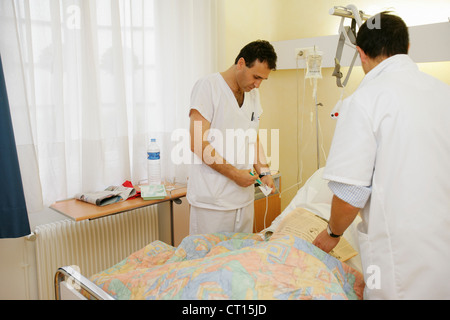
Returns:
(91,245)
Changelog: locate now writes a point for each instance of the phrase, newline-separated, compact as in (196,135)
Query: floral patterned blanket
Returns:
(231,266)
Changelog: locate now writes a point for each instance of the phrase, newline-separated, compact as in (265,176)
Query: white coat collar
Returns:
(394,63)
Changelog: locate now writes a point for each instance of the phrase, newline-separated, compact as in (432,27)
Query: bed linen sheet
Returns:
(231,266)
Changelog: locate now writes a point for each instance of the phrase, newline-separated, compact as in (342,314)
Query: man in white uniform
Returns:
(390,156)
(224,114)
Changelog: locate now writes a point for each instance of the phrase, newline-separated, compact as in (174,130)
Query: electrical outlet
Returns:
(302,52)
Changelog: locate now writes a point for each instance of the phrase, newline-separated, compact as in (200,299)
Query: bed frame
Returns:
(69,284)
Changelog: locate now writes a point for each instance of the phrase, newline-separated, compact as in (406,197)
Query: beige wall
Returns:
(286,98)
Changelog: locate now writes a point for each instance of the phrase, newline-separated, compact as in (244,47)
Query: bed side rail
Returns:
(78,282)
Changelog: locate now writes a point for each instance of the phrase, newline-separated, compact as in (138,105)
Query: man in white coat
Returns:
(224,114)
(390,157)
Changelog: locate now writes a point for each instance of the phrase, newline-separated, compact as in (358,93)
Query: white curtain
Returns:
(90,82)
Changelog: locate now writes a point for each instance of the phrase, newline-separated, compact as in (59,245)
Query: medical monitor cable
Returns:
(297,107)
(299,129)
(335,112)
(319,133)
(265,213)
(299,168)
(300,133)
(314,72)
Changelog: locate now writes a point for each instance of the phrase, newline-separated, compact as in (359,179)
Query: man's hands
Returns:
(268,180)
(243,178)
(342,215)
(205,151)
(325,242)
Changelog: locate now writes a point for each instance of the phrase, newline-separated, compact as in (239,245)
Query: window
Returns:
(90,82)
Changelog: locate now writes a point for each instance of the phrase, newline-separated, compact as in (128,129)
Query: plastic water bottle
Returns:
(153,163)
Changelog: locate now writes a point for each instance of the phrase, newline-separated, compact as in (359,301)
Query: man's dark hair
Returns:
(389,36)
(261,50)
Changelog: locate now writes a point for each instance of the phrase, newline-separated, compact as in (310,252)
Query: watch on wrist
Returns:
(331,234)
(263,174)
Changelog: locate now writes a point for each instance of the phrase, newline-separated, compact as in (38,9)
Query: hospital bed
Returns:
(229,265)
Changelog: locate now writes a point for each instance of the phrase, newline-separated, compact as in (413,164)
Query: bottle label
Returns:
(152,155)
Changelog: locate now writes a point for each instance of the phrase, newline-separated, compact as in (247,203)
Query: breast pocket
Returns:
(244,145)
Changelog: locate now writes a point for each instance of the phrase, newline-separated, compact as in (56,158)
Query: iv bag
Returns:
(313,66)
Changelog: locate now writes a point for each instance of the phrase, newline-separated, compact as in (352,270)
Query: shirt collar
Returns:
(395,62)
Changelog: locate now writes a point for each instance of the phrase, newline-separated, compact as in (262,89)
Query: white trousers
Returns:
(209,221)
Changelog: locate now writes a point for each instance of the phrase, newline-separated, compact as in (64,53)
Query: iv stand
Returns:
(317,104)
(317,131)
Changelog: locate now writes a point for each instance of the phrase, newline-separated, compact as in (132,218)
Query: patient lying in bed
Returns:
(231,266)
(240,265)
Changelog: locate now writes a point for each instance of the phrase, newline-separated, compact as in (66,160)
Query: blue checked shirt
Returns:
(357,196)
